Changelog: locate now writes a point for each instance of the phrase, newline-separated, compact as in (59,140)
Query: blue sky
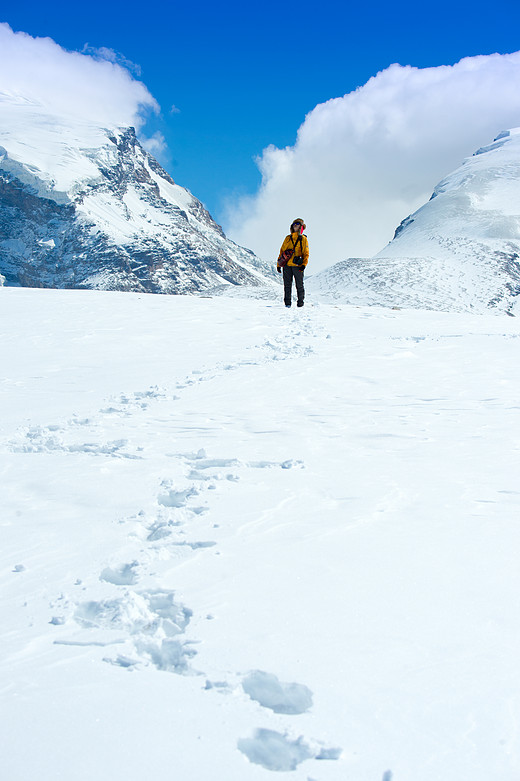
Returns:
(244,76)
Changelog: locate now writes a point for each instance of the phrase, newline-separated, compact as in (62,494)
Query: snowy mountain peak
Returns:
(458,252)
(86,206)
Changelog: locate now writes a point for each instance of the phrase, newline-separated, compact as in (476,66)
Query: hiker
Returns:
(294,256)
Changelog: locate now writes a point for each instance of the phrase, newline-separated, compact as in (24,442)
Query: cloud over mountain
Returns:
(363,162)
(93,87)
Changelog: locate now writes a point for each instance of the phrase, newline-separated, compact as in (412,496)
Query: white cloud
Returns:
(79,85)
(110,55)
(363,162)
(155,144)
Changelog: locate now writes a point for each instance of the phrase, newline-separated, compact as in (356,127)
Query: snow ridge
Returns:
(459,252)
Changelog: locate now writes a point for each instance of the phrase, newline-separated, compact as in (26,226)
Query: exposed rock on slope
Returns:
(86,207)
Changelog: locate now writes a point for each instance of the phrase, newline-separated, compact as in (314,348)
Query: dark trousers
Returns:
(290,273)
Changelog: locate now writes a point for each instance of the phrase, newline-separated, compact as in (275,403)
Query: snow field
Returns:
(240,540)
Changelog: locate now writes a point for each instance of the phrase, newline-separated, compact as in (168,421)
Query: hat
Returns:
(299,219)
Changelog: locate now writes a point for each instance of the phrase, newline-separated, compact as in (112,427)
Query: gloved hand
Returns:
(279,270)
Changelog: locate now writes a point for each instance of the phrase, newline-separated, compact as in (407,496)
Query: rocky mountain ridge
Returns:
(89,207)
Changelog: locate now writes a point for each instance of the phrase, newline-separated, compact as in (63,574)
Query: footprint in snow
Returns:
(124,575)
(195,545)
(176,499)
(160,529)
(275,751)
(266,689)
(148,612)
(44,439)
(127,403)
(151,620)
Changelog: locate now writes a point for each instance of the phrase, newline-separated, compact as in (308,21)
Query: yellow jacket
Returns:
(292,241)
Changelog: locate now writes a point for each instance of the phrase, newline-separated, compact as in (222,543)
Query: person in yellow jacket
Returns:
(292,260)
